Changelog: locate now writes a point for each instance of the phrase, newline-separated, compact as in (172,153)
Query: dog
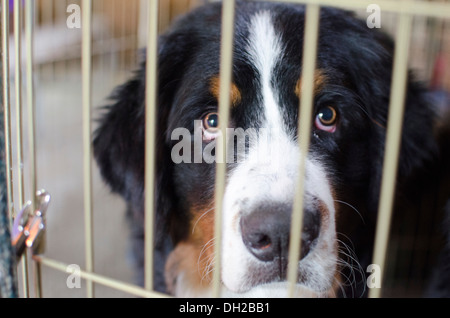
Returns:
(343,168)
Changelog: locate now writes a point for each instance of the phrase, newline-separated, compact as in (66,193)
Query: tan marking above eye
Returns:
(235,93)
(320,80)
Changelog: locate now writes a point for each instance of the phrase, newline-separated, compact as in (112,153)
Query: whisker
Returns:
(341,287)
(347,281)
(350,254)
(200,217)
(350,261)
(353,208)
(206,246)
(209,268)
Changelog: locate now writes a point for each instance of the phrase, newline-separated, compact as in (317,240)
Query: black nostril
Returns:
(261,246)
(259,241)
(266,231)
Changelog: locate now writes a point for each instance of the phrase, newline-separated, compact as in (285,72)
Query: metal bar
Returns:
(396,114)
(87,148)
(99,279)
(226,60)
(29,27)
(304,131)
(7,108)
(418,8)
(394,130)
(150,137)
(18,97)
(8,286)
(19,129)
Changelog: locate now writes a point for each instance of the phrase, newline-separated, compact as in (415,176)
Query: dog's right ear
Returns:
(119,140)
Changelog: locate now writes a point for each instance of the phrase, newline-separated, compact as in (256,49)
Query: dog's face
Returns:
(343,164)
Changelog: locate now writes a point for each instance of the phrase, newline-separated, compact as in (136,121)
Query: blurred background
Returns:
(119,28)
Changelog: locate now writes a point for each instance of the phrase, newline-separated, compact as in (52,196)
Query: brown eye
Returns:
(326,119)
(210,126)
(211,121)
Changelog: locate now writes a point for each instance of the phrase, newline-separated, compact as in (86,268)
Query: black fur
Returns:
(440,281)
(357,62)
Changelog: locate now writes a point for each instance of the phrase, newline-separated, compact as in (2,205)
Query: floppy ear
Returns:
(418,148)
(119,140)
(418,144)
(119,149)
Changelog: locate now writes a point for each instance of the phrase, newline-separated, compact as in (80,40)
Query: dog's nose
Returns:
(266,231)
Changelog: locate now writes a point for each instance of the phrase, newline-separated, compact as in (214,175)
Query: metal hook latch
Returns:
(29,226)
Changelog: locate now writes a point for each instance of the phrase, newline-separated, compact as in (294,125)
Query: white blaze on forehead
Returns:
(265,50)
(269,174)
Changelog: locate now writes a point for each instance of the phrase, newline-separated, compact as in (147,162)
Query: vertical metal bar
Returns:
(18,97)
(304,131)
(87,148)
(19,129)
(226,67)
(150,136)
(8,287)
(29,26)
(394,130)
(7,107)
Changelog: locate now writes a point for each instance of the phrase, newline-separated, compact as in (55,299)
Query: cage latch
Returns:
(29,225)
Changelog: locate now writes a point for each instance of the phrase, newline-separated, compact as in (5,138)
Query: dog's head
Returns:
(343,164)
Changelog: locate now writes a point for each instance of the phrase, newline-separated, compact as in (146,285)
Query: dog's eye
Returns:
(211,121)
(326,119)
(210,126)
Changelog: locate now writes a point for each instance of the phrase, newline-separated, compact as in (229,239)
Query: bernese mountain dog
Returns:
(352,83)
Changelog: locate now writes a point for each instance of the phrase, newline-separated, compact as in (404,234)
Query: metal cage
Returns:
(95,50)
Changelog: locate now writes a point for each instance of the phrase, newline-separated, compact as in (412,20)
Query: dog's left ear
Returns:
(419,151)
(418,141)
(372,75)
(419,145)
